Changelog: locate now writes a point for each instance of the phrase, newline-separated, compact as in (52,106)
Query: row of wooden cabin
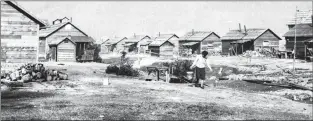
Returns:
(163,44)
(25,38)
(234,42)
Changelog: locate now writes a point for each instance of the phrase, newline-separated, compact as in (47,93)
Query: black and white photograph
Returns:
(156,60)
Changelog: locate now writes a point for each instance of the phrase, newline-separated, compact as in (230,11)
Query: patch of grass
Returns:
(18,94)
(144,111)
(248,87)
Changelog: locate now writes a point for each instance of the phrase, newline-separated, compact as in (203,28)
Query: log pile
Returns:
(31,73)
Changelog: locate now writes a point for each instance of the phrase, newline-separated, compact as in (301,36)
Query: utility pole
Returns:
(295,41)
(311,58)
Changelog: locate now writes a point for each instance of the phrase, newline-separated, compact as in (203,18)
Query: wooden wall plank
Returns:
(15,18)
(17,23)
(10,14)
(18,28)
(267,36)
(11,36)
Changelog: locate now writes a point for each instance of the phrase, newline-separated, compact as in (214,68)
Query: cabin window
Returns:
(65,41)
(266,43)
(68,27)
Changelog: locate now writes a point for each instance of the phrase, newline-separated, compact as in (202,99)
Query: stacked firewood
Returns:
(33,73)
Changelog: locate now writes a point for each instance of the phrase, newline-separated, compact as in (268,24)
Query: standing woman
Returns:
(200,63)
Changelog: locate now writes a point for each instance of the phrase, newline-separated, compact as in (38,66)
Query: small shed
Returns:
(61,28)
(131,43)
(238,41)
(115,44)
(199,41)
(63,50)
(144,44)
(103,47)
(162,46)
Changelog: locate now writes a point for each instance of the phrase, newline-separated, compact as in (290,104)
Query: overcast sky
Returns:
(124,18)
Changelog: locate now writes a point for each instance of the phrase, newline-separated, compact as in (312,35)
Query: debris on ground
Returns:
(30,73)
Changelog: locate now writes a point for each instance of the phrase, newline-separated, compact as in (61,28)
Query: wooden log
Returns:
(299,87)
(256,81)
(223,78)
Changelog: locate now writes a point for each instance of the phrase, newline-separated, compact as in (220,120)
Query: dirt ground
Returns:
(85,97)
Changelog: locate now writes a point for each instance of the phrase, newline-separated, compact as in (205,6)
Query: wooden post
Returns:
(236,49)
(37,55)
(167,77)
(158,74)
(305,51)
(242,48)
(84,46)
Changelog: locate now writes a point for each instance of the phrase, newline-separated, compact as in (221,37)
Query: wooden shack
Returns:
(144,45)
(238,41)
(162,46)
(116,44)
(131,43)
(103,47)
(199,41)
(63,50)
(303,37)
(19,34)
(61,28)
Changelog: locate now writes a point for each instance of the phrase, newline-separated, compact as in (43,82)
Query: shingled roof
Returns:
(303,17)
(114,40)
(252,33)
(59,40)
(303,30)
(145,42)
(72,38)
(49,30)
(196,36)
(161,39)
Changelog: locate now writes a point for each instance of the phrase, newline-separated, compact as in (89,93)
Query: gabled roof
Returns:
(115,40)
(82,39)
(252,34)
(102,41)
(74,39)
(303,17)
(161,39)
(136,38)
(233,35)
(196,35)
(26,13)
(59,40)
(47,31)
(145,42)
(302,30)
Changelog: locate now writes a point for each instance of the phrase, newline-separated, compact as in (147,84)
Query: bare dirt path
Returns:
(84,97)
